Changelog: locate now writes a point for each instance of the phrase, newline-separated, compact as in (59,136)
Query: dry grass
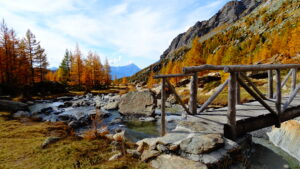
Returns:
(21,148)
(93,133)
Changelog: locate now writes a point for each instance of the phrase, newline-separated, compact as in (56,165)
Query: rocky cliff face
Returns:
(231,12)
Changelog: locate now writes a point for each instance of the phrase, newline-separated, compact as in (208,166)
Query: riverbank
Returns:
(21,143)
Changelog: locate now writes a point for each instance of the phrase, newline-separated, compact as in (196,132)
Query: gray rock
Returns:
(49,140)
(287,137)
(149,154)
(111,105)
(166,161)
(66,104)
(161,148)
(98,102)
(47,110)
(81,102)
(12,106)
(141,103)
(20,114)
(202,144)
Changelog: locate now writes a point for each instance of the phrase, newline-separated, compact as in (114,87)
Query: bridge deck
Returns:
(217,118)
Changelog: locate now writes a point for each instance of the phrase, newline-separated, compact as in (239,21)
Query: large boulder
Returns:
(202,143)
(167,161)
(287,137)
(12,106)
(139,103)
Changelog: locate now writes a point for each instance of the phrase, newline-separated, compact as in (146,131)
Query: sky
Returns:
(123,31)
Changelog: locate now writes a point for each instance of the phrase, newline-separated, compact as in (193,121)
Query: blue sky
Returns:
(123,31)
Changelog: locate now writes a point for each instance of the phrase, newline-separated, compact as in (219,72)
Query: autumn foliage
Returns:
(22,60)
(237,45)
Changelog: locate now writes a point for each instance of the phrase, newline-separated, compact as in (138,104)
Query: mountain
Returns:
(53,68)
(124,71)
(242,32)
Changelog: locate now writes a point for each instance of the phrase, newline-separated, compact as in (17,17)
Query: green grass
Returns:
(20,147)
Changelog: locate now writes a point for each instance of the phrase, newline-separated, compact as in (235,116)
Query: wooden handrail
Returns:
(236,79)
(262,67)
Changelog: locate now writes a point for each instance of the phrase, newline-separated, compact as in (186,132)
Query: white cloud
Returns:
(132,29)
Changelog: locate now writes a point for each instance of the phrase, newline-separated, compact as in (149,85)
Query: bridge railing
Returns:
(237,79)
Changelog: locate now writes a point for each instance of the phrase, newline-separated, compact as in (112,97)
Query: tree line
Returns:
(23,62)
(89,73)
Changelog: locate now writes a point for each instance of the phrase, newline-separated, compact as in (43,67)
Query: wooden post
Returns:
(193,94)
(294,79)
(163,111)
(270,84)
(278,94)
(238,91)
(231,104)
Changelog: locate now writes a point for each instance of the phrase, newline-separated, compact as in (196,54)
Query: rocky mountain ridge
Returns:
(230,13)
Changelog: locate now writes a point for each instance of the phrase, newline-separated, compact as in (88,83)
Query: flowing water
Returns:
(264,154)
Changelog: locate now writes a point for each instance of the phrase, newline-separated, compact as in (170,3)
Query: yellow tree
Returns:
(294,43)
(151,81)
(76,67)
(88,74)
(98,71)
(124,81)
(194,55)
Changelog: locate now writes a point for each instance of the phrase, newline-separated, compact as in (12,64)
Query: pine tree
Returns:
(65,67)
(32,50)
(41,62)
(107,77)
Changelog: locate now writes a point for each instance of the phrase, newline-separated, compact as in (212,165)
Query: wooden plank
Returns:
(278,94)
(253,86)
(270,84)
(261,67)
(291,98)
(171,75)
(231,113)
(214,96)
(177,97)
(163,111)
(193,69)
(193,94)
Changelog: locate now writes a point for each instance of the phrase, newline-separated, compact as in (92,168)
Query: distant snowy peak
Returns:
(124,71)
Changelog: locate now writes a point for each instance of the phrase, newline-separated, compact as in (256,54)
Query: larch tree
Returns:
(107,77)
(32,47)
(76,67)
(41,62)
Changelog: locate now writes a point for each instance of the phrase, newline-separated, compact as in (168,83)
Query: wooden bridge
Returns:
(237,119)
